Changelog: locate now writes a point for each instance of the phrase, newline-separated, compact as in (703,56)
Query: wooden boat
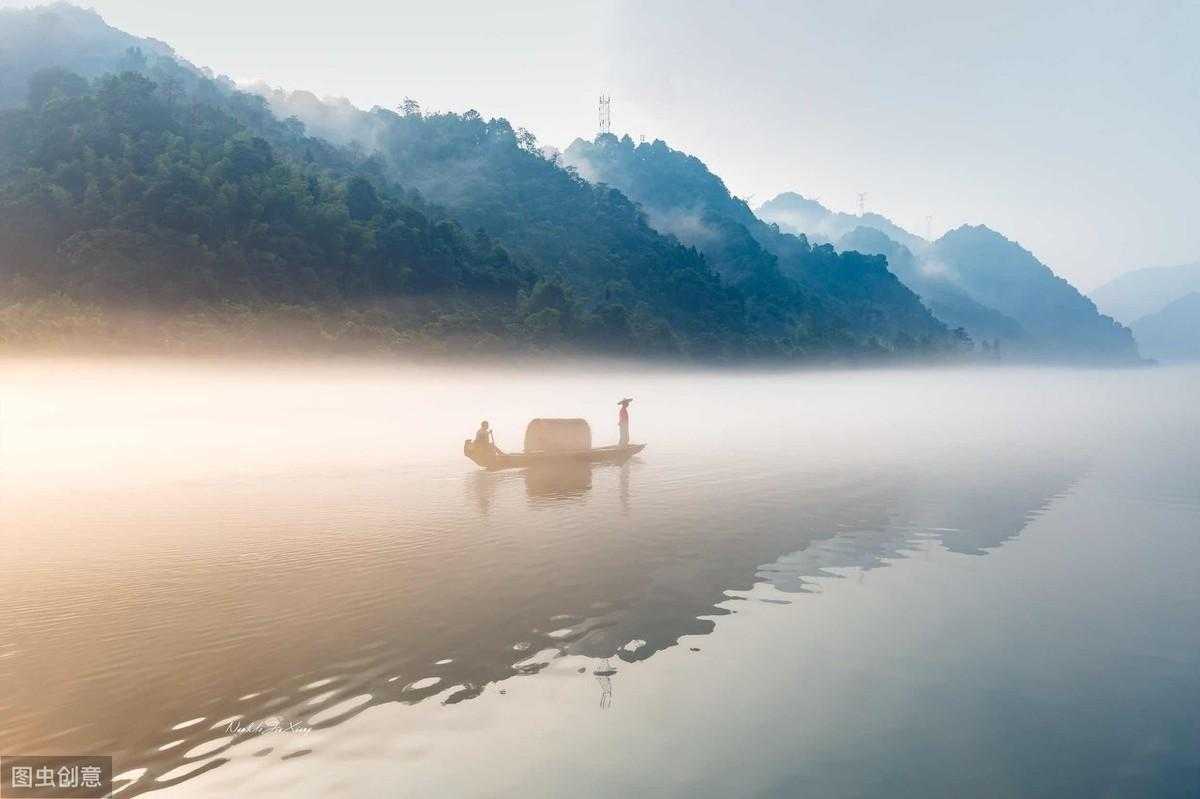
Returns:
(550,441)
(516,460)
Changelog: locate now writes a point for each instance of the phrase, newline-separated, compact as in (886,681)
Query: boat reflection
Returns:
(564,481)
(552,484)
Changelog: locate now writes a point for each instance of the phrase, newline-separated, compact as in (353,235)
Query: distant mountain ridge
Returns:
(944,298)
(795,213)
(1139,293)
(977,279)
(1060,322)
(1172,333)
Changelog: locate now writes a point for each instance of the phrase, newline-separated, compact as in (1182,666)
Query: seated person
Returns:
(484,440)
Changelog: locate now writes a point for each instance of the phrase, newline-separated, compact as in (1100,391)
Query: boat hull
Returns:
(493,460)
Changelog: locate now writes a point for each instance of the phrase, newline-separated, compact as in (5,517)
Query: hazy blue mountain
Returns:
(1172,333)
(999,293)
(941,296)
(681,196)
(1141,292)
(1059,322)
(797,214)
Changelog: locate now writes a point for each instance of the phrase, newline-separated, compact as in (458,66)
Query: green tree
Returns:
(361,200)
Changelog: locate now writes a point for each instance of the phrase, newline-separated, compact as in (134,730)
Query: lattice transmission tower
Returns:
(605,113)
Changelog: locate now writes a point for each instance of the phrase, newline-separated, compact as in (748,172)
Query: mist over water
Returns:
(196,547)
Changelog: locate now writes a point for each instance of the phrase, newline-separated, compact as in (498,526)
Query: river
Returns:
(286,580)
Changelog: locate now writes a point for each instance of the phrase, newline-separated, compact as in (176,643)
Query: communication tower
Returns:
(605,113)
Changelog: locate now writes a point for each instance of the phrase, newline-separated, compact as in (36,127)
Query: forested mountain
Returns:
(144,184)
(1172,333)
(590,239)
(1059,322)
(947,301)
(682,197)
(124,196)
(1142,292)
(500,181)
(161,189)
(797,214)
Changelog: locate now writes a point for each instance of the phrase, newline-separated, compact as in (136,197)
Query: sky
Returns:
(1071,127)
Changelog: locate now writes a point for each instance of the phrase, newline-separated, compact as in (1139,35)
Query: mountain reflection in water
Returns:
(306,576)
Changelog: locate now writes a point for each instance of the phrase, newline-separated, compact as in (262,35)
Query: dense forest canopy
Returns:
(125,194)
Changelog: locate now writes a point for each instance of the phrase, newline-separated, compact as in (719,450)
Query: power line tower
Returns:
(605,113)
(929,227)
(862,203)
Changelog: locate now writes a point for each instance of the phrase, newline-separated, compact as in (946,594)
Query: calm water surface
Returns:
(283,581)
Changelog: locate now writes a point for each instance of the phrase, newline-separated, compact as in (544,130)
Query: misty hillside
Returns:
(976,279)
(681,196)
(1141,292)
(144,185)
(949,303)
(66,36)
(797,214)
(1000,274)
(1171,333)
(972,278)
(592,239)
(499,180)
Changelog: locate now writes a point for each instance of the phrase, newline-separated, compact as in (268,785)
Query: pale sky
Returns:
(1072,127)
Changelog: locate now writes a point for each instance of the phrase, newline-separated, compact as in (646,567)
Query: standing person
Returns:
(623,421)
